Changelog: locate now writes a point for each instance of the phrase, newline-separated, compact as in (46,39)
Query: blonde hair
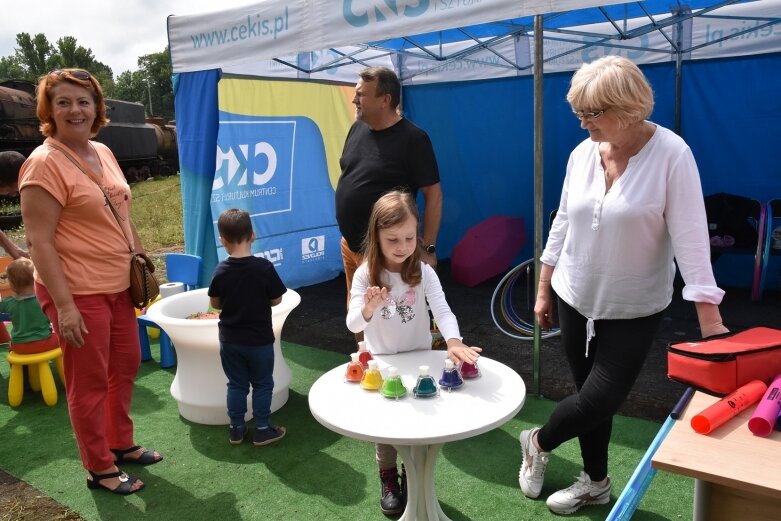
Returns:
(612,83)
(20,273)
(50,80)
(390,210)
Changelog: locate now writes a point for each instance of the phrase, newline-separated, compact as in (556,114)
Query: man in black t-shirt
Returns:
(383,152)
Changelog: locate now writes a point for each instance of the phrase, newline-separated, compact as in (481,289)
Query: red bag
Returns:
(720,365)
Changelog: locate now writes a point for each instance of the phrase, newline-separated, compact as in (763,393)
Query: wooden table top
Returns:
(730,455)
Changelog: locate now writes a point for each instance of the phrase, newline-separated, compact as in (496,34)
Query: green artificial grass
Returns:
(312,473)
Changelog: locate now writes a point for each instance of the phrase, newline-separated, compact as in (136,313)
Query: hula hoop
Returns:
(755,285)
(504,289)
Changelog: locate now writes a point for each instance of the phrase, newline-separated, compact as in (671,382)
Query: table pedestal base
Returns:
(715,502)
(420,462)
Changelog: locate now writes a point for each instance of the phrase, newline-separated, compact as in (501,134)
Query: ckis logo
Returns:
(235,163)
(359,12)
(312,248)
(274,256)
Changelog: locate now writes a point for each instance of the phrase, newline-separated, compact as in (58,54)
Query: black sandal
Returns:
(125,487)
(146,458)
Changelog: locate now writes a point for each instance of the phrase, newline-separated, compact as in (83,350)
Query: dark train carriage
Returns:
(18,122)
(143,147)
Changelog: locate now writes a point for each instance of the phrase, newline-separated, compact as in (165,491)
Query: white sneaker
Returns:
(581,493)
(532,472)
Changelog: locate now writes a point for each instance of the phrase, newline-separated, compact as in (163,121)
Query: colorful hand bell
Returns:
(469,371)
(393,387)
(354,372)
(372,378)
(426,386)
(451,378)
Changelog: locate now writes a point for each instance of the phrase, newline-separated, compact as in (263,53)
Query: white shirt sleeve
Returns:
(558,231)
(446,320)
(355,320)
(687,225)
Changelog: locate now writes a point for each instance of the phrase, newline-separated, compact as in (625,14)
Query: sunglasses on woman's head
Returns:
(76,73)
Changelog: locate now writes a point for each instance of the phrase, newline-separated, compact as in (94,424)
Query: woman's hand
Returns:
(374,298)
(543,310)
(71,326)
(710,319)
(713,329)
(459,352)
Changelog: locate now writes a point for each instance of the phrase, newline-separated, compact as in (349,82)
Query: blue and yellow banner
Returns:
(278,149)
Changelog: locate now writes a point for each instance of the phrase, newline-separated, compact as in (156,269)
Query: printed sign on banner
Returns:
(277,168)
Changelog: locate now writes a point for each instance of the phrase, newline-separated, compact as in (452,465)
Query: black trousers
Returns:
(616,356)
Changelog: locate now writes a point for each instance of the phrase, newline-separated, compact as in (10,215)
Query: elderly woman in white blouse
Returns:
(631,201)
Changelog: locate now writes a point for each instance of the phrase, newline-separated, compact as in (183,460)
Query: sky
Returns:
(117,31)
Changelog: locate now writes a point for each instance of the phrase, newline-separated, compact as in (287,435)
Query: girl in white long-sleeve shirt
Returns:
(388,303)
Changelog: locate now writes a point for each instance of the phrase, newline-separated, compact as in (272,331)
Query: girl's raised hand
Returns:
(374,298)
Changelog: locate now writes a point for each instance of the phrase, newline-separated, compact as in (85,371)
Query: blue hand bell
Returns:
(451,378)
(426,386)
(393,386)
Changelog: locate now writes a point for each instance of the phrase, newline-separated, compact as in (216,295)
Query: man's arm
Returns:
(432,218)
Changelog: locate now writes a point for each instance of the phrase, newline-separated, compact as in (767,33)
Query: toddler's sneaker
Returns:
(268,435)
(581,493)
(236,433)
(532,472)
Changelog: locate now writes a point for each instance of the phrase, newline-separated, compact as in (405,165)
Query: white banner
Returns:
(274,28)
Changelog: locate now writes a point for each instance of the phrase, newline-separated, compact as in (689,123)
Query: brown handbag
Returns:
(144,287)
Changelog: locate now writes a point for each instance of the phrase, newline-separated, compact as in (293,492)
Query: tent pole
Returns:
(678,66)
(538,176)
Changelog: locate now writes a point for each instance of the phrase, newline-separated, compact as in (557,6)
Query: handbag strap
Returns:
(114,210)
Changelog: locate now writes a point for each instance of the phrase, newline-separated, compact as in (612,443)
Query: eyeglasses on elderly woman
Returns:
(588,116)
(79,74)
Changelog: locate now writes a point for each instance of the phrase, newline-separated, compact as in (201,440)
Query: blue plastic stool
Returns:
(167,355)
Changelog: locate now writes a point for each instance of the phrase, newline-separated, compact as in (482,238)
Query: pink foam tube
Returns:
(728,407)
(764,418)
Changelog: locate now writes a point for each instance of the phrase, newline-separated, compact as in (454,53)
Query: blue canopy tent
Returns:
(714,67)
(472,77)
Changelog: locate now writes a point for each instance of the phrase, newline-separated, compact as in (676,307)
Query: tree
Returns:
(35,56)
(155,69)
(10,68)
(72,55)
(131,86)
(150,85)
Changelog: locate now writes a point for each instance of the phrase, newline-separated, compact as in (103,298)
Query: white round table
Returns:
(418,427)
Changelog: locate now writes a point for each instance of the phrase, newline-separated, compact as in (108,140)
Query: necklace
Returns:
(614,167)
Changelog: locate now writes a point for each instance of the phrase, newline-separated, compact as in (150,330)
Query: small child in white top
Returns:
(388,303)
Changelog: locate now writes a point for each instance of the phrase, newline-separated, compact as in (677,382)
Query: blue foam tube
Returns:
(641,478)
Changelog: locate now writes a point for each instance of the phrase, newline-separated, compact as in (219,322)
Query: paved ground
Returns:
(320,322)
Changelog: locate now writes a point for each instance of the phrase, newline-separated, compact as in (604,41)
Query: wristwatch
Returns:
(429,248)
